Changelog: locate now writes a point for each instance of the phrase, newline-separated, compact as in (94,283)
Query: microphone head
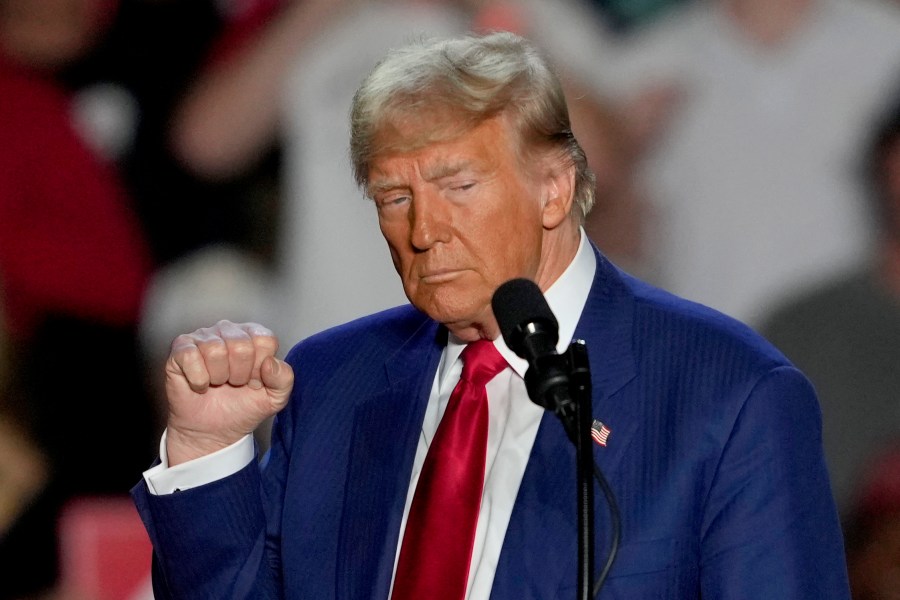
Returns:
(521,311)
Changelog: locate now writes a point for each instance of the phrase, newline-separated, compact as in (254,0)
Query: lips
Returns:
(435,276)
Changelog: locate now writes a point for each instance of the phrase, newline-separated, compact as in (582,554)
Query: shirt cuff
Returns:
(162,479)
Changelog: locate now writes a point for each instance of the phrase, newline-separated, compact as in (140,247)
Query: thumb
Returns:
(278,378)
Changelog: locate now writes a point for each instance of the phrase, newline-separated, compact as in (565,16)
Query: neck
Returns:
(768,22)
(560,246)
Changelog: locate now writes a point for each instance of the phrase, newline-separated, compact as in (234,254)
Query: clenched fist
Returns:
(222,382)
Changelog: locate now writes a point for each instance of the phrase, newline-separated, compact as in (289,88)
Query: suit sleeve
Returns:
(770,527)
(223,539)
(210,541)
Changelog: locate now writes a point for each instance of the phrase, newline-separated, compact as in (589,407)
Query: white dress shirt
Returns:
(513,425)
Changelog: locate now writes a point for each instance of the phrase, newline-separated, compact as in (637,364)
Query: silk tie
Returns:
(440,529)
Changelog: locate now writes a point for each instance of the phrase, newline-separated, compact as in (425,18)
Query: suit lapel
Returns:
(541,537)
(539,543)
(607,325)
(385,434)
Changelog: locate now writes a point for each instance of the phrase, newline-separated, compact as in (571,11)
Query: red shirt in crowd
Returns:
(69,241)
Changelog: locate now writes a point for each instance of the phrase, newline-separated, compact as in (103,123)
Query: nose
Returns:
(429,220)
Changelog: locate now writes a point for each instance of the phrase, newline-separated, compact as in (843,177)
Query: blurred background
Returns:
(168,163)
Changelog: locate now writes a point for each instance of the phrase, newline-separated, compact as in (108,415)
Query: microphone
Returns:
(528,325)
(559,383)
(530,330)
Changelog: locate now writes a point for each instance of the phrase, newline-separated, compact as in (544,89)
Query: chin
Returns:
(458,301)
(458,319)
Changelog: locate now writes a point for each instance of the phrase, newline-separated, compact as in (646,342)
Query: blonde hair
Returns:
(467,80)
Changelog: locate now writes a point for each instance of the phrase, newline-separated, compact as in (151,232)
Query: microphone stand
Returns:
(580,388)
(561,383)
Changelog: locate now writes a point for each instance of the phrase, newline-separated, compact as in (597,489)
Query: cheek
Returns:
(395,258)
(511,250)
(393,234)
(402,254)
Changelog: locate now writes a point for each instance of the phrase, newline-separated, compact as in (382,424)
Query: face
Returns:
(463,216)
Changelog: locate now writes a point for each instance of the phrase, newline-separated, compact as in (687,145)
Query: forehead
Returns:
(408,127)
(485,146)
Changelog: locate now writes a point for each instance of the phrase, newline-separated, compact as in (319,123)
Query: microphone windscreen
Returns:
(519,302)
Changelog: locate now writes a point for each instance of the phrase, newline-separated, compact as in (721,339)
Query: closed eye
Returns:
(391,203)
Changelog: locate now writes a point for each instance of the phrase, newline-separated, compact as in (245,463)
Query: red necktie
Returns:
(440,530)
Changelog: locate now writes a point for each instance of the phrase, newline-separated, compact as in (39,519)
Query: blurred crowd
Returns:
(168,163)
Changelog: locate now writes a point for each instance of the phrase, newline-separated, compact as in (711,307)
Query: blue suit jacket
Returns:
(715,459)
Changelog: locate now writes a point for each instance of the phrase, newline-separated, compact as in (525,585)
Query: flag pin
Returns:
(600,432)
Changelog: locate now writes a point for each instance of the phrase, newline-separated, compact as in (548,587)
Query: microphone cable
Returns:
(615,520)
(554,381)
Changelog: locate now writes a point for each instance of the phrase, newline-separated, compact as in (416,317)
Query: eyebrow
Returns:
(438,171)
(443,170)
(382,186)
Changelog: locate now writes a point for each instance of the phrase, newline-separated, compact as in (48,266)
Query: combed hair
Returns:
(467,80)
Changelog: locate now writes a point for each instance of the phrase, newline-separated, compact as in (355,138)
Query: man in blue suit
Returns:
(714,451)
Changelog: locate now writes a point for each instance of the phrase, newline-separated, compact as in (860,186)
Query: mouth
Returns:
(440,276)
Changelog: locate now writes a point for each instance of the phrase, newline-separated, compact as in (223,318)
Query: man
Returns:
(714,453)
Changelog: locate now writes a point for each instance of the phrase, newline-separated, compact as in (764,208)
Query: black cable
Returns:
(616,522)
(561,383)
(573,409)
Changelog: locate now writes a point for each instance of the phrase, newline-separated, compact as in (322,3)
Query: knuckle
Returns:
(255,330)
(266,343)
(241,349)
(215,349)
(181,342)
(205,333)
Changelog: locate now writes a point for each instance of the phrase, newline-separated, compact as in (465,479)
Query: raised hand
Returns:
(222,382)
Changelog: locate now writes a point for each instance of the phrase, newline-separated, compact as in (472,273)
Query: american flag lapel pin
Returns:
(600,432)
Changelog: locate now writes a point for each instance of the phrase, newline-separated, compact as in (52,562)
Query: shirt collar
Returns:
(566,297)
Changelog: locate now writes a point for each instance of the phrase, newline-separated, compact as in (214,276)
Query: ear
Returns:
(558,194)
